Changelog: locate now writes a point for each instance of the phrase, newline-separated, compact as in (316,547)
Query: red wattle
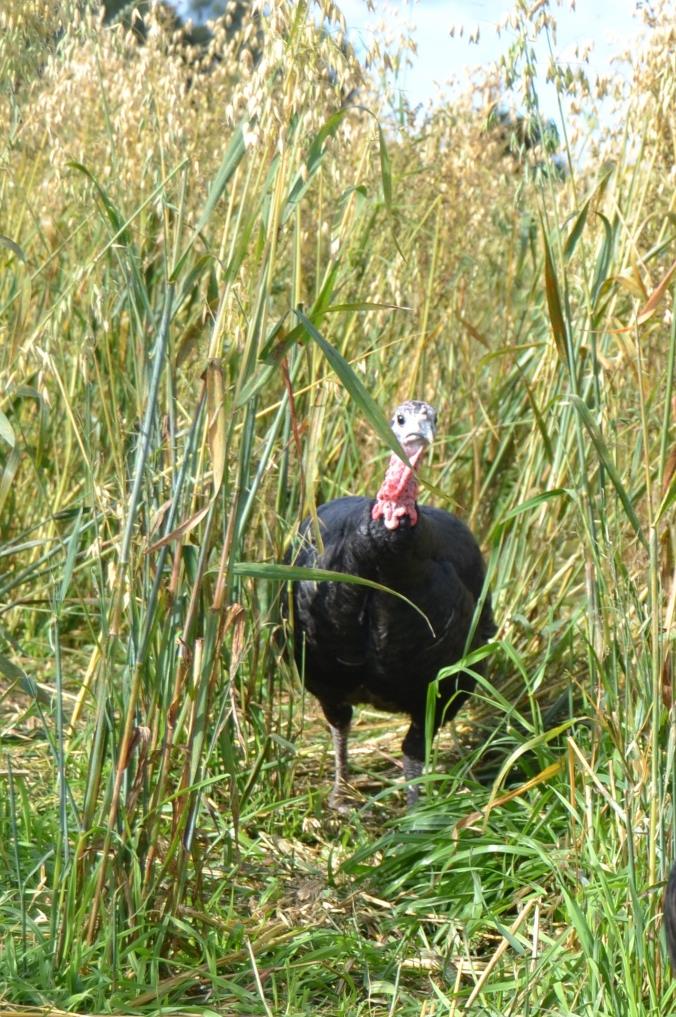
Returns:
(398,493)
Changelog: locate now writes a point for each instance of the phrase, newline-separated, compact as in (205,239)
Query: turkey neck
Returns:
(395,502)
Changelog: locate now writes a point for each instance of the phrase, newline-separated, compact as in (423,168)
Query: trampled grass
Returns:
(218,272)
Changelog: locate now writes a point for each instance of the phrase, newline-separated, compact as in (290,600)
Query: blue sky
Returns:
(609,24)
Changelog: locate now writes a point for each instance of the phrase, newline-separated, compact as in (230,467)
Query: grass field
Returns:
(219,270)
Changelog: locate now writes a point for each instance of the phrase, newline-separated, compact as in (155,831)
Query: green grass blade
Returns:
(354,387)
(291,573)
(605,457)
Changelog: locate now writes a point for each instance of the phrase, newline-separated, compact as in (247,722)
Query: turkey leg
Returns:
(413,747)
(339,718)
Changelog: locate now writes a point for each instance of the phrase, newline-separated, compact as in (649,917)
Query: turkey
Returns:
(670,917)
(353,644)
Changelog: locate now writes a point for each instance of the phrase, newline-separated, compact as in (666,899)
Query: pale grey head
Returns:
(415,424)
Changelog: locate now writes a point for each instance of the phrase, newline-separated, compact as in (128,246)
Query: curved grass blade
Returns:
(606,459)
(304,177)
(6,430)
(554,303)
(604,258)
(650,306)
(12,246)
(359,394)
(232,157)
(272,570)
(527,506)
(581,219)
(117,220)
(386,178)
(234,154)
(576,232)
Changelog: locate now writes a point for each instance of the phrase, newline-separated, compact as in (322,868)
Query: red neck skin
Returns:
(398,493)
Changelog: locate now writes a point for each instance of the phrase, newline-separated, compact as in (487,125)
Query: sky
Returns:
(609,24)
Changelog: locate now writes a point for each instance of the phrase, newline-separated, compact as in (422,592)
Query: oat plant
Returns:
(220,267)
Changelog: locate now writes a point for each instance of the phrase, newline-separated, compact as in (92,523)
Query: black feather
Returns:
(357,645)
(670,917)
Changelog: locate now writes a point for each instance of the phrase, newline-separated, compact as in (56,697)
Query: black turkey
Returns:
(670,917)
(353,644)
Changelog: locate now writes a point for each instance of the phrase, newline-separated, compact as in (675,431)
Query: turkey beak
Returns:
(427,433)
(417,441)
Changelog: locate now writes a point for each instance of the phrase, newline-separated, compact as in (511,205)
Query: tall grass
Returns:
(215,267)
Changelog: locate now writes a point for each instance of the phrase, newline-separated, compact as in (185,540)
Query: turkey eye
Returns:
(400,418)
